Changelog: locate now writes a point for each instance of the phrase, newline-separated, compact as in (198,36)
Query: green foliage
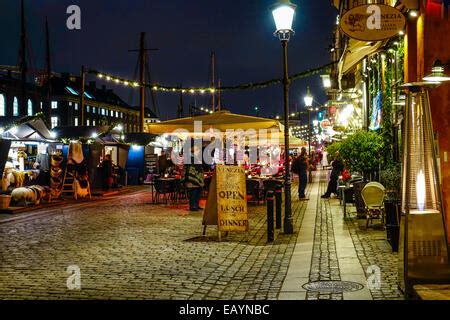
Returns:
(390,177)
(360,152)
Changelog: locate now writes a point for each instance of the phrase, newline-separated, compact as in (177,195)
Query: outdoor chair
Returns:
(165,190)
(373,196)
(253,190)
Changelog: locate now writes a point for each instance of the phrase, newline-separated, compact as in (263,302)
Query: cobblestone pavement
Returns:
(373,249)
(128,249)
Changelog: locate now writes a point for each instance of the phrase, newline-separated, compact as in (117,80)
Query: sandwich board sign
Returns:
(226,206)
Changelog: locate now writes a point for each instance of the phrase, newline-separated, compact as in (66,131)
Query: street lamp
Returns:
(309,99)
(283,14)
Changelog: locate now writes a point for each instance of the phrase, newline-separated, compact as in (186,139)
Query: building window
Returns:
(94,109)
(30,108)
(75,121)
(88,122)
(54,104)
(55,122)
(15,107)
(93,123)
(117,114)
(88,108)
(112,113)
(70,103)
(2,106)
(76,106)
(41,105)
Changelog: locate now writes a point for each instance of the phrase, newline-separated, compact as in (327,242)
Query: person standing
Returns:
(107,172)
(300,167)
(338,167)
(194,182)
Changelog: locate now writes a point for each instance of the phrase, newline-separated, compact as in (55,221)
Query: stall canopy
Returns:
(221,120)
(33,130)
(77,132)
(140,139)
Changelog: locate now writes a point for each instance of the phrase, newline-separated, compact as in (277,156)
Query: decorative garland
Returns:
(194,90)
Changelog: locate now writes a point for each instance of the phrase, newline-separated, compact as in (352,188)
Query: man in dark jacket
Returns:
(338,167)
(300,167)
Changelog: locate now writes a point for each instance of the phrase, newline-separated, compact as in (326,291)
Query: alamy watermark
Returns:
(74,279)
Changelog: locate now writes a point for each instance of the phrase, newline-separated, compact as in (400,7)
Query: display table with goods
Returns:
(26,173)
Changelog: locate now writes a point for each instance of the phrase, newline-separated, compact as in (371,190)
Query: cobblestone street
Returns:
(127,248)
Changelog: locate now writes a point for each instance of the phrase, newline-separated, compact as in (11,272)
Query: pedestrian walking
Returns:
(300,167)
(338,167)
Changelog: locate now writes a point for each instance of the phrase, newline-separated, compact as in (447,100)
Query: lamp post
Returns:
(283,14)
(309,103)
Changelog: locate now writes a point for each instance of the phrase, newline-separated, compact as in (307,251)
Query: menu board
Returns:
(151,163)
(227,200)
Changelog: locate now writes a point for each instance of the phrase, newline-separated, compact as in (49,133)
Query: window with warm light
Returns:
(54,105)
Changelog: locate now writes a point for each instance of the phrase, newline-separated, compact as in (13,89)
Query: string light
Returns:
(211,90)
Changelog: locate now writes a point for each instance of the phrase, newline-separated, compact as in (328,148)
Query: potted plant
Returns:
(391,179)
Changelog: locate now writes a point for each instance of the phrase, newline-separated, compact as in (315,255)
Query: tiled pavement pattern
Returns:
(324,263)
(128,249)
(372,249)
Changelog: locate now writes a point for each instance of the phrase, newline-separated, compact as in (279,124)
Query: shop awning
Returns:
(77,132)
(140,139)
(356,51)
(221,120)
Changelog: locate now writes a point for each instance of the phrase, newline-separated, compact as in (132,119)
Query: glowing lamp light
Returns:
(100,75)
(108,78)
(283,15)
(308,98)
(94,135)
(413,14)
(135,84)
(437,73)
(420,191)
(326,80)
(53,135)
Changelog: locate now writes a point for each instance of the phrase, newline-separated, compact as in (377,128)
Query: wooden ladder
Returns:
(67,185)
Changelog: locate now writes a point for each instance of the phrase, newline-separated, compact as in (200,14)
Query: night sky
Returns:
(185,32)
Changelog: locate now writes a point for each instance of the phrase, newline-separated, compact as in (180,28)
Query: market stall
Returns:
(27,149)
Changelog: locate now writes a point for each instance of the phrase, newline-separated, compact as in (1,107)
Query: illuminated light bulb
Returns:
(413,14)
(135,84)
(126,83)
(192,91)
(183,91)
(202,91)
(212,90)
(108,78)
(402,33)
(94,135)
(420,191)
(155,88)
(117,80)
(174,89)
(100,75)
